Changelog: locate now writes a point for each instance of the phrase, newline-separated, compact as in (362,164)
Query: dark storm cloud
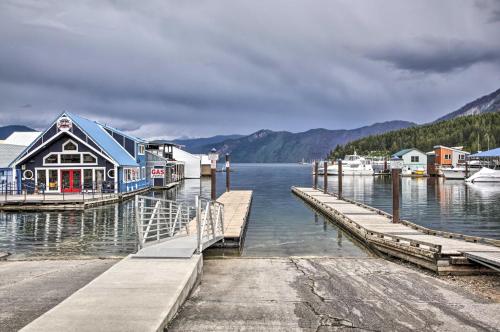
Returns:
(435,55)
(176,68)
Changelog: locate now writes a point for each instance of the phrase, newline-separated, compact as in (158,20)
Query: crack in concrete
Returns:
(325,319)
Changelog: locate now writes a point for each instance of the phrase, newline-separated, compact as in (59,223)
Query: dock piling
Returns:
(228,173)
(315,175)
(395,195)
(340,176)
(325,177)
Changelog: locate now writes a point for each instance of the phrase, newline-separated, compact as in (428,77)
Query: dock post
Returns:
(466,169)
(228,174)
(339,169)
(325,177)
(395,195)
(315,175)
(385,164)
(213,156)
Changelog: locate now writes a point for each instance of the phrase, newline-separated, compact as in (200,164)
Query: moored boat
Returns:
(485,175)
(352,165)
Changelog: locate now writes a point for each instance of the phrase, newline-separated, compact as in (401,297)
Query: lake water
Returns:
(280,224)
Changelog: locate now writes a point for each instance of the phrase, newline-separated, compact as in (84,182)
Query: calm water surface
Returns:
(280,224)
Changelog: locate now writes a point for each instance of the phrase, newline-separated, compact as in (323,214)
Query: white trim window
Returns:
(142,149)
(28,174)
(131,174)
(143,173)
(70,145)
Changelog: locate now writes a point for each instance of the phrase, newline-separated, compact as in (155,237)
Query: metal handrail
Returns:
(159,220)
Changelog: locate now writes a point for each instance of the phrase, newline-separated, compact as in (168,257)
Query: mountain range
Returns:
(283,146)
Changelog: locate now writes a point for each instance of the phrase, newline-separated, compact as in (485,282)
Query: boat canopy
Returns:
(489,153)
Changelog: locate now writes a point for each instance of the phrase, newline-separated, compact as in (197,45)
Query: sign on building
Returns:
(157,173)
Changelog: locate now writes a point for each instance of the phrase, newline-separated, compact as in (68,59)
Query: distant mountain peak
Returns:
(485,104)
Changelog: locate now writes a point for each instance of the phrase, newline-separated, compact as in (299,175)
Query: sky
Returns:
(201,68)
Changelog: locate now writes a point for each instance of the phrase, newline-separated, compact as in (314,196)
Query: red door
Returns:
(71,180)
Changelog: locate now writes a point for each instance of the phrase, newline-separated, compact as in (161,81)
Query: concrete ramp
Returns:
(133,295)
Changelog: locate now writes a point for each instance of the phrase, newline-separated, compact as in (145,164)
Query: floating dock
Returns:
(141,293)
(442,252)
(60,202)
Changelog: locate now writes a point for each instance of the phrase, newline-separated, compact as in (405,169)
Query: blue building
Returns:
(75,154)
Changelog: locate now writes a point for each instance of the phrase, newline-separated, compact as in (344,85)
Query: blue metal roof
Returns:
(97,133)
(489,153)
(401,153)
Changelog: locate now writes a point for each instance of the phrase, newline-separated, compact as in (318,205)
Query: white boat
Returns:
(485,175)
(458,173)
(378,164)
(352,165)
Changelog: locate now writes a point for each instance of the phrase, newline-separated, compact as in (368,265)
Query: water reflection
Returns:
(437,203)
(280,224)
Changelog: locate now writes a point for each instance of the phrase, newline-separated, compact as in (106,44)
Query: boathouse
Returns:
(414,161)
(75,154)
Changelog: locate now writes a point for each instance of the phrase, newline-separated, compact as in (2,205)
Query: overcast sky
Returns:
(200,68)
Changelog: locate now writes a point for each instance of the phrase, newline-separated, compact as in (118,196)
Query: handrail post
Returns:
(138,221)
(198,223)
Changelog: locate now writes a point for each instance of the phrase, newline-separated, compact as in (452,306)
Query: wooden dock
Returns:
(442,252)
(237,205)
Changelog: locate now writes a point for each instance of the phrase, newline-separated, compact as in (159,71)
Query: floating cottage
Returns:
(75,154)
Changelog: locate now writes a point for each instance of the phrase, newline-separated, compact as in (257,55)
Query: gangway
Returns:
(165,227)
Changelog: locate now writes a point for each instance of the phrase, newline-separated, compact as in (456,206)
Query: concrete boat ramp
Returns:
(442,252)
(141,293)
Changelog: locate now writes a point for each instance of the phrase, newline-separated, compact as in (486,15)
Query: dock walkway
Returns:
(442,252)
(143,292)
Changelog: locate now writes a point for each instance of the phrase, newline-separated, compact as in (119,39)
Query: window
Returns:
(53,179)
(70,159)
(70,146)
(461,156)
(111,173)
(89,159)
(131,174)
(87,179)
(41,177)
(51,159)
(447,156)
(415,159)
(141,149)
(28,175)
(143,172)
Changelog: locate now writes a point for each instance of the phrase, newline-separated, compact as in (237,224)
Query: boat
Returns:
(378,164)
(485,175)
(352,165)
(458,173)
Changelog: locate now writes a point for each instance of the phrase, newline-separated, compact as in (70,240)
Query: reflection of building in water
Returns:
(413,191)
(450,193)
(98,232)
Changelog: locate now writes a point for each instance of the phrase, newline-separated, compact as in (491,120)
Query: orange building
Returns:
(445,157)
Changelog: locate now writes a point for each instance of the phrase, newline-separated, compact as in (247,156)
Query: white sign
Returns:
(64,124)
(157,173)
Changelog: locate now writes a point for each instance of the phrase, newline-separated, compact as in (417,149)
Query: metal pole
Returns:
(340,176)
(213,179)
(315,175)
(325,177)
(395,195)
(198,223)
(228,173)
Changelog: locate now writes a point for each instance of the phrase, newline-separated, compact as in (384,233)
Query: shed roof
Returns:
(23,138)
(490,153)
(9,152)
(401,153)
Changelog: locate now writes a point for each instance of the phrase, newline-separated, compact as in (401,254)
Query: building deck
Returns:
(58,202)
(444,253)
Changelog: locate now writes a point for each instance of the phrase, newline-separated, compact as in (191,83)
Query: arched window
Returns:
(89,159)
(52,158)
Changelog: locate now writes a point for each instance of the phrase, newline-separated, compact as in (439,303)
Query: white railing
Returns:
(209,222)
(161,220)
